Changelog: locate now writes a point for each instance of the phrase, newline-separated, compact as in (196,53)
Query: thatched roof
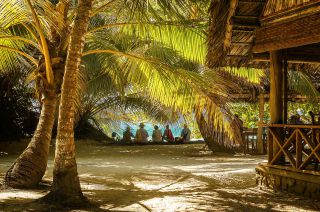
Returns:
(230,42)
(233,25)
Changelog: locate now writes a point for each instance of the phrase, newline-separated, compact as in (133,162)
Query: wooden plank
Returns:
(298,32)
(308,176)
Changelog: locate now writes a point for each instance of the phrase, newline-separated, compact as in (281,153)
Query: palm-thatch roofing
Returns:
(229,41)
(232,36)
(233,27)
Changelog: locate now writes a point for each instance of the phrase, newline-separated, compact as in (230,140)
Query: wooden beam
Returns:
(252,2)
(292,97)
(228,33)
(238,56)
(283,35)
(291,58)
(245,21)
(300,10)
(242,29)
(241,43)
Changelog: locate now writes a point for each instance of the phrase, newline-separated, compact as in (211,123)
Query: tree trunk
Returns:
(29,168)
(66,186)
(212,138)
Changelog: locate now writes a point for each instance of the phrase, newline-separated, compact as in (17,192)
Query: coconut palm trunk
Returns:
(66,186)
(216,141)
(29,168)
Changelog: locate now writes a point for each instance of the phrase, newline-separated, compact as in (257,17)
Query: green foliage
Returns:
(248,113)
(17,112)
(301,83)
(251,75)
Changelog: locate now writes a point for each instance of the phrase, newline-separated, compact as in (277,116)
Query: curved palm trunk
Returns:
(216,141)
(66,186)
(29,168)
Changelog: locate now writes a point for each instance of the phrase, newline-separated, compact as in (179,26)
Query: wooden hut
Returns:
(274,34)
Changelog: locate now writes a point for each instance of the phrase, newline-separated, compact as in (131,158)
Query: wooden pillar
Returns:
(260,128)
(276,93)
(285,87)
(276,88)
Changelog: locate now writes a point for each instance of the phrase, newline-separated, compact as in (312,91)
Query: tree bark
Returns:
(29,168)
(212,138)
(66,185)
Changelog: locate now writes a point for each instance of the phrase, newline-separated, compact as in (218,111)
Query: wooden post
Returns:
(260,128)
(285,87)
(298,149)
(270,147)
(276,93)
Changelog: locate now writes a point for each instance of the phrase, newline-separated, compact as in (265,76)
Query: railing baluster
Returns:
(298,149)
(270,146)
(279,147)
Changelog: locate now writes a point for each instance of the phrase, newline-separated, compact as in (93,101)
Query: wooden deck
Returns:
(293,159)
(287,179)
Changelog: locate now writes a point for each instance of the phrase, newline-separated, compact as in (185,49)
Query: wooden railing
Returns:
(297,146)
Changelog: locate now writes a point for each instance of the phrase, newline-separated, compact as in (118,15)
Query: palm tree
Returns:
(191,91)
(185,36)
(66,185)
(20,28)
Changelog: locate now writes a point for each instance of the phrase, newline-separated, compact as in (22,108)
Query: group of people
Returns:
(157,136)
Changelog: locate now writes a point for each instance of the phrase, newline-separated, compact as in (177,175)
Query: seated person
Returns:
(295,119)
(115,136)
(127,135)
(156,134)
(185,135)
(142,134)
(167,135)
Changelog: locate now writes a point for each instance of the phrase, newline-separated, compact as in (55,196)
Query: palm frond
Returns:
(251,75)
(301,83)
